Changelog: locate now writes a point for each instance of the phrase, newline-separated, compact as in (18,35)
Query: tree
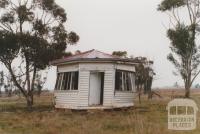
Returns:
(39,83)
(1,80)
(67,54)
(122,54)
(9,86)
(184,51)
(176,85)
(77,52)
(197,86)
(34,31)
(143,73)
(140,76)
(144,76)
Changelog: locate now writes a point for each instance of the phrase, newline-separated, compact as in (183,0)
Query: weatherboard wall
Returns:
(124,98)
(64,98)
(80,99)
(84,88)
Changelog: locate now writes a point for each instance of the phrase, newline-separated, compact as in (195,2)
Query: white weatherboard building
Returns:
(94,79)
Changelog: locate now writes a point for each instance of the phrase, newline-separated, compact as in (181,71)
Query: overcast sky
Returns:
(134,26)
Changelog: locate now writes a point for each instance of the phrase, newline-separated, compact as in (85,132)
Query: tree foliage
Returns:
(144,74)
(120,53)
(33,30)
(170,4)
(185,53)
(39,83)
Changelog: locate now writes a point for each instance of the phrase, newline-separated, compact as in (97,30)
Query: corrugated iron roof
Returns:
(91,55)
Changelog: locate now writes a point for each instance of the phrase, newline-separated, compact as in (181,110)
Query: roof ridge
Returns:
(114,56)
(87,53)
(90,54)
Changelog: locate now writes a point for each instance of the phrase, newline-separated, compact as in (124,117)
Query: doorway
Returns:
(96,88)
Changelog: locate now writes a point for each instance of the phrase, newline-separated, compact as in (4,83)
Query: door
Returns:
(95,88)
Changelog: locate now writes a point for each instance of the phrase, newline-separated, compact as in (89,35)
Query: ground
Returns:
(149,117)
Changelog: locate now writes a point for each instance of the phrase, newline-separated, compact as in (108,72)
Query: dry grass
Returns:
(150,117)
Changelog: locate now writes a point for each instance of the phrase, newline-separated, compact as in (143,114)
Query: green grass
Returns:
(150,117)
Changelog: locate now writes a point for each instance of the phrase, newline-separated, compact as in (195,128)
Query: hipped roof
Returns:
(93,56)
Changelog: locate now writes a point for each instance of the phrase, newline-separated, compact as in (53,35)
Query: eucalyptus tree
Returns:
(33,31)
(184,28)
(144,74)
(39,83)
(1,81)
(120,53)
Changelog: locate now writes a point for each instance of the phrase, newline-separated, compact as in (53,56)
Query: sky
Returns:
(134,26)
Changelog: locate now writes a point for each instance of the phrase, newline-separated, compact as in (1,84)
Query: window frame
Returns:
(68,80)
(127,74)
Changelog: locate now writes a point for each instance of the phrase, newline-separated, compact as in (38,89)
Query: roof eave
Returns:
(95,60)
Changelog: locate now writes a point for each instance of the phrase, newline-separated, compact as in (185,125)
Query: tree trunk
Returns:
(33,79)
(187,89)
(39,92)
(188,84)
(15,80)
(29,100)
(28,76)
(139,94)
(149,94)
(187,93)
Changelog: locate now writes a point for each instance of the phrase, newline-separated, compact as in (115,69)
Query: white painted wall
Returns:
(83,88)
(66,99)
(124,98)
(109,81)
(108,69)
(80,98)
(125,67)
(68,68)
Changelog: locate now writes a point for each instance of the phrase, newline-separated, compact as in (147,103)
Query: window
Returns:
(124,81)
(67,81)
(58,82)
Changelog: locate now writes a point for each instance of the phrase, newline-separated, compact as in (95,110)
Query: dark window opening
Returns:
(58,81)
(102,87)
(124,81)
(67,81)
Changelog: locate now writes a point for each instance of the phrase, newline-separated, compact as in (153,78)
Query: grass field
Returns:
(149,117)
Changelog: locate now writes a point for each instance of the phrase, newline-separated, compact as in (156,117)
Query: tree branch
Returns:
(33,79)
(15,80)
(194,78)
(189,12)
